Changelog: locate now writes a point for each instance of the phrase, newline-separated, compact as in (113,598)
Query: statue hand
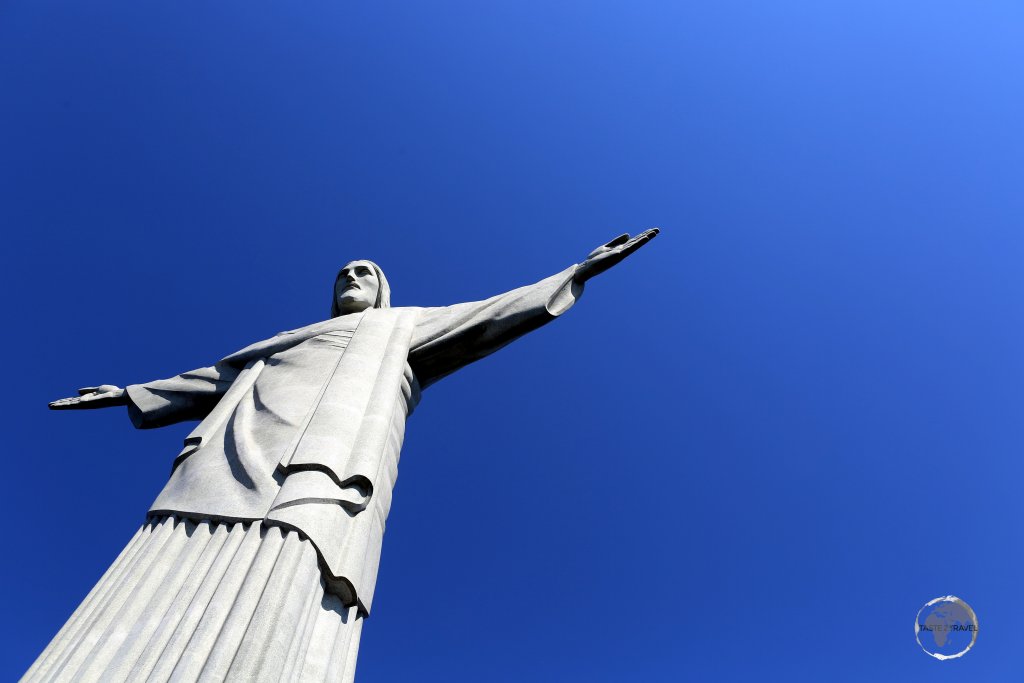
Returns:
(103,396)
(607,255)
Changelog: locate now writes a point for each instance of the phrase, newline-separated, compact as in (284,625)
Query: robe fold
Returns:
(304,430)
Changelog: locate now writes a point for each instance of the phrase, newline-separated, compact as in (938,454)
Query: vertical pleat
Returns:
(348,666)
(264,647)
(170,624)
(202,641)
(142,611)
(300,643)
(96,629)
(223,651)
(343,643)
(142,625)
(333,631)
(318,655)
(65,636)
(189,601)
(173,652)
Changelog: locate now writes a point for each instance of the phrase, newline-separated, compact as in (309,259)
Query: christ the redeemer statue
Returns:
(257,561)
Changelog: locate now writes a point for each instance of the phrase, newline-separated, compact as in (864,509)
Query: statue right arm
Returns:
(188,396)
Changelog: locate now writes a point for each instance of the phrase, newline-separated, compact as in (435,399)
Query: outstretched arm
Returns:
(188,396)
(450,337)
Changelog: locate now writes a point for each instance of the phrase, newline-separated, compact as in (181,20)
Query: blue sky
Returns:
(752,451)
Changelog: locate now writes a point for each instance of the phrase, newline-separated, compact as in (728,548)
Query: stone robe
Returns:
(303,431)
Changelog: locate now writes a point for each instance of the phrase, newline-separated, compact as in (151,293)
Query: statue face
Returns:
(356,288)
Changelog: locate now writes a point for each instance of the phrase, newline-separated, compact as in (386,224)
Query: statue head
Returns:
(360,285)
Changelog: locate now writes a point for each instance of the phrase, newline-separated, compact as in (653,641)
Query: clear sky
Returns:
(752,451)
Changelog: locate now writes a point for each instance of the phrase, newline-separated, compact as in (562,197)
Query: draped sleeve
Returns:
(447,338)
(188,396)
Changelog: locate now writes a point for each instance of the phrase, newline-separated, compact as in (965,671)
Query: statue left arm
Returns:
(450,337)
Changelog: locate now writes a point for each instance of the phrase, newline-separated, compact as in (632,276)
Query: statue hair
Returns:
(383,288)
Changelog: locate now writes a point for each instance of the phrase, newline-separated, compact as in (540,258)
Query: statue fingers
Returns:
(639,241)
(87,390)
(610,246)
(647,235)
(63,403)
(621,239)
